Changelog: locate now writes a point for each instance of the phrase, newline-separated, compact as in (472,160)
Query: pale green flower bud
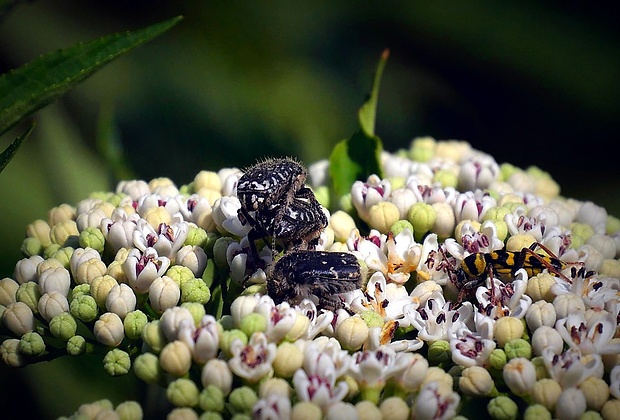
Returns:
(196,309)
(50,250)
(423,217)
(342,223)
(611,409)
(129,410)
(195,290)
(92,237)
(63,232)
(180,274)
(610,268)
(394,408)
(89,270)
(541,369)
(212,399)
(352,333)
(100,289)
(596,391)
(134,322)
(115,269)
(56,279)
(274,386)
(101,409)
(8,288)
(498,359)
(183,393)
(153,336)
(79,290)
(422,149)
(121,300)
(341,410)
(400,226)
(219,251)
(147,368)
(242,399)
(10,355)
(63,255)
(446,220)
(445,381)
(242,306)
(439,352)
(63,326)
(506,329)
(176,358)
(539,314)
(182,413)
(52,304)
(192,257)
(31,344)
(383,215)
(546,392)
(253,322)
(446,178)
(26,269)
(196,236)
(29,293)
(207,179)
(536,412)
(109,329)
(503,408)
(289,358)
(518,348)
(476,381)
(84,308)
(76,346)
(306,410)
(571,404)
(520,375)
(18,318)
(566,303)
(116,362)
(40,230)
(228,337)
(164,293)
(547,337)
(582,231)
(367,410)
(31,246)
(216,372)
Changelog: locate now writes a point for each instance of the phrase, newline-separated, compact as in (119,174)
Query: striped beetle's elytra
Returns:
(326,275)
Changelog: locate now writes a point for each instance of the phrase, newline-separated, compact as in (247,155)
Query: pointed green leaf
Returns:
(368,112)
(36,84)
(10,151)
(359,156)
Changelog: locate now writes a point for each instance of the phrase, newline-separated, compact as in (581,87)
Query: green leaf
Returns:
(359,156)
(36,84)
(10,151)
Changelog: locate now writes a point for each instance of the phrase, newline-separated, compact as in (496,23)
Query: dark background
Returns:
(529,82)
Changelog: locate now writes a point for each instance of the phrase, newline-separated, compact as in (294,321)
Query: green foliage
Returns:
(10,151)
(36,84)
(359,156)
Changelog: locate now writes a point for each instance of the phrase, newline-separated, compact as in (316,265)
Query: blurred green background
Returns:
(530,82)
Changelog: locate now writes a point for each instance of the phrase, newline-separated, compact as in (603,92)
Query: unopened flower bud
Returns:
(76,345)
(89,270)
(352,333)
(611,408)
(539,287)
(212,399)
(92,237)
(341,410)
(540,313)
(382,216)
(610,268)
(507,328)
(176,358)
(216,372)
(367,410)
(566,303)
(422,216)
(518,348)
(31,246)
(546,392)
(596,391)
(439,352)
(520,375)
(242,399)
(31,344)
(288,359)
(192,257)
(134,322)
(498,359)
(153,336)
(109,329)
(306,410)
(147,368)
(477,381)
(395,408)
(129,410)
(537,412)
(116,362)
(503,408)
(63,231)
(100,288)
(195,290)
(171,320)
(446,220)
(26,269)
(8,287)
(183,393)
(342,223)
(84,308)
(18,318)
(571,404)
(164,293)
(241,306)
(547,337)
(29,293)
(121,300)
(40,230)
(52,304)
(180,274)
(196,309)
(63,326)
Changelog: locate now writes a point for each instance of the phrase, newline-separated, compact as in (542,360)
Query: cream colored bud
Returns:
(546,392)
(395,408)
(342,223)
(506,329)
(274,386)
(539,287)
(596,391)
(352,333)
(89,270)
(100,288)
(164,293)
(566,303)
(40,230)
(306,410)
(446,220)
(367,410)
(547,337)
(56,279)
(8,287)
(109,329)
(519,241)
(155,216)
(121,300)
(520,375)
(52,304)
(477,381)
(540,313)
(383,215)
(176,358)
(571,404)
(216,372)
(289,358)
(18,318)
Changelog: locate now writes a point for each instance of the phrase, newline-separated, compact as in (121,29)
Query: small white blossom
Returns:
(433,403)
(590,336)
(252,361)
(570,368)
(142,268)
(226,217)
(203,340)
(366,194)
(470,349)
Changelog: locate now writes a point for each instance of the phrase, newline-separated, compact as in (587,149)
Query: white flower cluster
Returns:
(482,281)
